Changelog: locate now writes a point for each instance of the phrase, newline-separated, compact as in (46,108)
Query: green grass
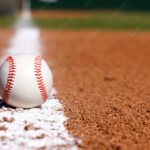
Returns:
(102,21)
(6,22)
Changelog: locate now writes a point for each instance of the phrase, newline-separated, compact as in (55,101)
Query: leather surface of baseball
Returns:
(25,81)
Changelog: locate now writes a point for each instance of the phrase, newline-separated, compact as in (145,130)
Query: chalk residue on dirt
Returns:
(35,128)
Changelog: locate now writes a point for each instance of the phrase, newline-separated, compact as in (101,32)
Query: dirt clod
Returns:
(5,119)
(3,128)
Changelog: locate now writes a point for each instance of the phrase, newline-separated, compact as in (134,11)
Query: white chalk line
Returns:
(48,129)
(48,132)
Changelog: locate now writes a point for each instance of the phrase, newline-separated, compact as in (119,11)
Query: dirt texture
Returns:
(62,13)
(5,34)
(103,82)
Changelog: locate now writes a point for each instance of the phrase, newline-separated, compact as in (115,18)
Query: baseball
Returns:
(25,81)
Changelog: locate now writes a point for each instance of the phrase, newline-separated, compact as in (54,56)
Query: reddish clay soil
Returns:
(61,13)
(103,82)
(5,34)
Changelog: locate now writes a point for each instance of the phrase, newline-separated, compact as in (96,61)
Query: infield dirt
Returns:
(103,82)
(5,35)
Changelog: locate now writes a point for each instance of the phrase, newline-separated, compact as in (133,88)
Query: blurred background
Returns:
(91,4)
(11,6)
(66,14)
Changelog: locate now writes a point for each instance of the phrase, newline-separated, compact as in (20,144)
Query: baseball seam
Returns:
(39,77)
(11,78)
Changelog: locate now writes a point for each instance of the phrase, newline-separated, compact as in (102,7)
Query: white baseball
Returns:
(25,81)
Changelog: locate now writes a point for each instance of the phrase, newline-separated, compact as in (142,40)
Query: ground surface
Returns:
(5,34)
(7,21)
(102,20)
(61,13)
(103,82)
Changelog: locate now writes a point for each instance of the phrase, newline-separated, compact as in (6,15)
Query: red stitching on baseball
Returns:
(39,77)
(10,80)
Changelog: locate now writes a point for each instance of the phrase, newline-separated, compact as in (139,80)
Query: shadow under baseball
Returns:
(4,105)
